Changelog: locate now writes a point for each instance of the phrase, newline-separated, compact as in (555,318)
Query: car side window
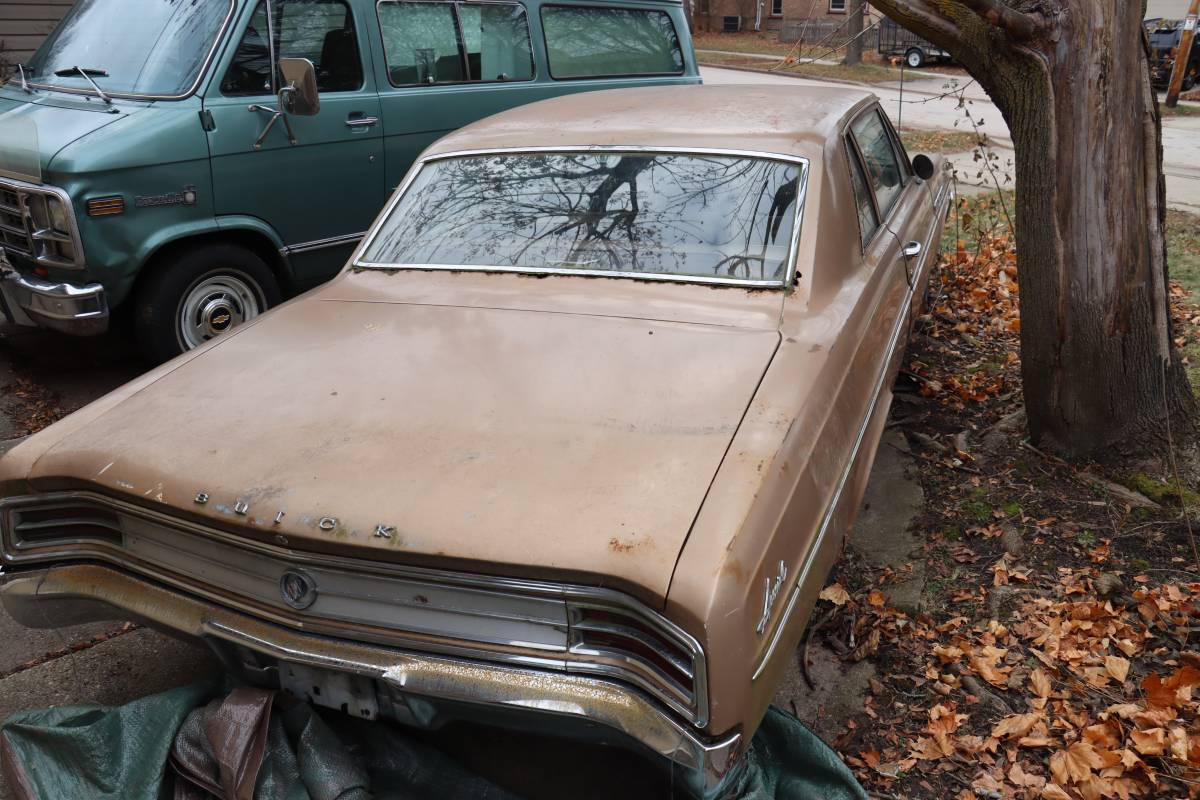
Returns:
(883,171)
(868,222)
(320,30)
(424,42)
(603,42)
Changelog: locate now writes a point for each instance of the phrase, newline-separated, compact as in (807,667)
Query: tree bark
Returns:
(854,29)
(1072,81)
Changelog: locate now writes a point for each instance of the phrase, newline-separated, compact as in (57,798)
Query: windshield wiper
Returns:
(24,83)
(87,73)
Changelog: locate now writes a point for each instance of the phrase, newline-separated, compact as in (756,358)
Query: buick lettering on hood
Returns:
(571,442)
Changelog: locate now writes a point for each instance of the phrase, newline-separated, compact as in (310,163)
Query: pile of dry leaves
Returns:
(1052,655)
(1076,696)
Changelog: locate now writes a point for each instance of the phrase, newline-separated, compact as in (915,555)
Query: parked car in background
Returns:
(1165,37)
(898,42)
(571,443)
(161,164)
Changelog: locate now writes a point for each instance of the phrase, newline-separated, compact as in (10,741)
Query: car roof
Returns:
(787,120)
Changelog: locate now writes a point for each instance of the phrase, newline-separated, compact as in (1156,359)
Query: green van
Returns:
(152,158)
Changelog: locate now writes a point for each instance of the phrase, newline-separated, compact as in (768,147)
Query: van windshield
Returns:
(143,47)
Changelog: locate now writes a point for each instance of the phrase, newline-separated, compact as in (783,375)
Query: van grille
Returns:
(14,233)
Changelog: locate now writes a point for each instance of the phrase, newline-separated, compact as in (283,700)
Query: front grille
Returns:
(20,206)
(566,628)
(14,234)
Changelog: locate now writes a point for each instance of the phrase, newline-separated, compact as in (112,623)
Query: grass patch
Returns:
(1183,265)
(1179,111)
(749,42)
(860,73)
(917,141)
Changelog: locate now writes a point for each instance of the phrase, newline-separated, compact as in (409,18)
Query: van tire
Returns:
(915,58)
(215,287)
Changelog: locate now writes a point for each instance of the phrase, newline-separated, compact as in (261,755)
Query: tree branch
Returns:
(1018,24)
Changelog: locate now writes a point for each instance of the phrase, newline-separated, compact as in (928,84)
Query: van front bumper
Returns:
(74,593)
(63,307)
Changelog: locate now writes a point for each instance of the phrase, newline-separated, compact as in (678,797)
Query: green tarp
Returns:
(197,742)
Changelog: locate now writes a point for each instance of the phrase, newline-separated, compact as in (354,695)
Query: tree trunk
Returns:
(854,29)
(1098,364)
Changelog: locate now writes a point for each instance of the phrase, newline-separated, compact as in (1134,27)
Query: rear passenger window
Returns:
(868,222)
(422,44)
(883,168)
(320,30)
(497,40)
(606,42)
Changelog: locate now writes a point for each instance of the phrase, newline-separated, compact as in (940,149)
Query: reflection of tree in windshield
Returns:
(153,47)
(711,216)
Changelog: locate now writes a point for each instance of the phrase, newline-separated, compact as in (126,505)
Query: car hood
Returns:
(502,441)
(34,130)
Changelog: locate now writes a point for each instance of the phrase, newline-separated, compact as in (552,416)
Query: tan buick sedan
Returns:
(571,442)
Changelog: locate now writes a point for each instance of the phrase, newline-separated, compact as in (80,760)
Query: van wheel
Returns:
(915,58)
(198,294)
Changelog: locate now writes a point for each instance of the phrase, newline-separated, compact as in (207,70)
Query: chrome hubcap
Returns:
(214,305)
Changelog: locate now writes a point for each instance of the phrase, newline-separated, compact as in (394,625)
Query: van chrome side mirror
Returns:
(299,94)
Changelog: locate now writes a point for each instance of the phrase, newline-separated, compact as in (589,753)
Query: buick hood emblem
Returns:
(297,588)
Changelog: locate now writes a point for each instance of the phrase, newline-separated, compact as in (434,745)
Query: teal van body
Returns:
(153,183)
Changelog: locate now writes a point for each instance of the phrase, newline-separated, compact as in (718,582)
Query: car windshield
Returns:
(145,47)
(669,216)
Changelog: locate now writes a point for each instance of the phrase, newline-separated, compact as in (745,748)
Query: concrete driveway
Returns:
(926,104)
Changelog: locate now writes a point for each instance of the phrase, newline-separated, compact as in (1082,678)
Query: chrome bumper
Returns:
(71,594)
(63,307)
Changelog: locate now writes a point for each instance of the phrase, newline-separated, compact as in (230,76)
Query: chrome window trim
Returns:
(786,282)
(610,665)
(218,40)
(34,188)
(462,42)
(318,244)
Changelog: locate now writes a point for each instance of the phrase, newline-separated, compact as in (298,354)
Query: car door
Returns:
(321,191)
(883,197)
(913,220)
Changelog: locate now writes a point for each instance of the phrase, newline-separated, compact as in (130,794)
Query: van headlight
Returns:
(54,244)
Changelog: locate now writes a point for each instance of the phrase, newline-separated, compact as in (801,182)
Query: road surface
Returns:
(925,104)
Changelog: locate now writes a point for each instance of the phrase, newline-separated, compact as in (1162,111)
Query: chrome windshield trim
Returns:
(357,262)
(218,40)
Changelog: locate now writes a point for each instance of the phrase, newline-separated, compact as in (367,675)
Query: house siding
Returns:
(1168,9)
(824,15)
(25,23)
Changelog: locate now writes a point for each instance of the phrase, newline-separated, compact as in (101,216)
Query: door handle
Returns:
(354,121)
(913,249)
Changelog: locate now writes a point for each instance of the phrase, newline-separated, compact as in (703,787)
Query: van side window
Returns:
(883,168)
(424,42)
(602,42)
(320,30)
(868,222)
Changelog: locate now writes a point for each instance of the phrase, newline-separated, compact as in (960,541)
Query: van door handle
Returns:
(357,121)
(913,249)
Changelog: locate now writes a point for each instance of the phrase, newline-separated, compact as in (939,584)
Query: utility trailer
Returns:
(1165,36)
(895,40)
